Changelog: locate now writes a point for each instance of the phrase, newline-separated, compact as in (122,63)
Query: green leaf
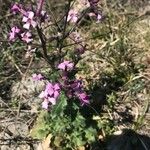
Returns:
(57,110)
(39,130)
(90,134)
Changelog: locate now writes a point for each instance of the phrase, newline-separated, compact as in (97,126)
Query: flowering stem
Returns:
(43,43)
(40,5)
(55,21)
(75,25)
(66,16)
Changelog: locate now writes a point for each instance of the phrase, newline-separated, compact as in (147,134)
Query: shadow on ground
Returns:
(129,140)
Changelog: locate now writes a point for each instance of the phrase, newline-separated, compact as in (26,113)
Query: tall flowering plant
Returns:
(65,96)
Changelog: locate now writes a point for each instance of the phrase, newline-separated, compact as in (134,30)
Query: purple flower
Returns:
(16,8)
(50,94)
(76,85)
(28,19)
(37,77)
(66,66)
(43,15)
(72,16)
(99,17)
(75,89)
(53,90)
(13,33)
(52,100)
(26,36)
(84,98)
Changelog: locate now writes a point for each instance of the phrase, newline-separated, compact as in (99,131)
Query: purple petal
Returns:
(16,8)
(57,86)
(56,94)
(84,98)
(26,26)
(33,23)
(37,77)
(45,104)
(52,100)
(25,19)
(30,14)
(62,66)
(43,94)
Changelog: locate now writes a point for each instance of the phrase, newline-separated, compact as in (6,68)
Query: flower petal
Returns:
(52,100)
(30,14)
(26,26)
(45,104)
(33,23)
(25,19)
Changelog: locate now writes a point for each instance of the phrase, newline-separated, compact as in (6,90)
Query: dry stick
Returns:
(20,140)
(72,44)
(17,67)
(56,23)
(14,110)
(6,16)
(7,106)
(28,67)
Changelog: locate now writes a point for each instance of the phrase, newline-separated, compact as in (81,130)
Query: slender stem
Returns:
(60,41)
(75,25)
(43,43)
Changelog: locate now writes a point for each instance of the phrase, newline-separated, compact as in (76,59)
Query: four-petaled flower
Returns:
(16,8)
(28,19)
(84,98)
(50,94)
(13,34)
(66,66)
(72,16)
(37,77)
(26,36)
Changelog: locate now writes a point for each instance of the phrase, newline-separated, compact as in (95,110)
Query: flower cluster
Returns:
(13,33)
(29,19)
(37,77)
(32,19)
(66,66)
(73,88)
(50,94)
(73,15)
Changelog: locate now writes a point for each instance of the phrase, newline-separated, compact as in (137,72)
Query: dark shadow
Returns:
(105,86)
(128,140)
